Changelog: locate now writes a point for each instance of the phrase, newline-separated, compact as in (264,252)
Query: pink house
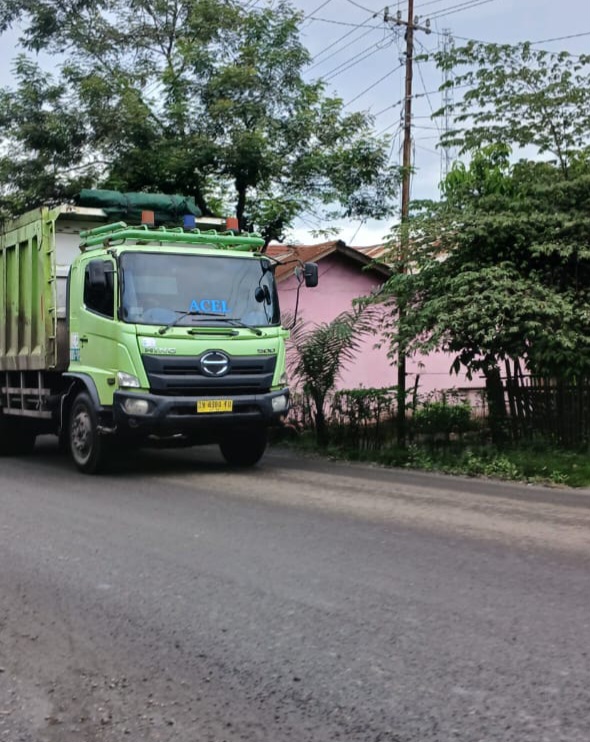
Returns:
(343,278)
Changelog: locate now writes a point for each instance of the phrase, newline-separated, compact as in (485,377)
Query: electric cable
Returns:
(313,12)
(374,85)
(346,23)
(337,51)
(451,10)
(561,38)
(427,95)
(353,61)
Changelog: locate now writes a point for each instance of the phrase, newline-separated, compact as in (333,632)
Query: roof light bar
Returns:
(105,236)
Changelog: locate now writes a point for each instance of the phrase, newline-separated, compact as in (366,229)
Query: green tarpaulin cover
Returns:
(127,207)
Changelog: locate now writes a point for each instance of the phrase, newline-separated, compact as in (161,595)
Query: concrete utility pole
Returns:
(411,25)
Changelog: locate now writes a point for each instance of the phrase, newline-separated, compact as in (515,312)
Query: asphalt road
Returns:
(302,601)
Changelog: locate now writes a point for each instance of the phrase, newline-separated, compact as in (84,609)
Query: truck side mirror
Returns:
(97,274)
(261,294)
(310,274)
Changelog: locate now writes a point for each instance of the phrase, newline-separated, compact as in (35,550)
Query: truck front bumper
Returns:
(167,416)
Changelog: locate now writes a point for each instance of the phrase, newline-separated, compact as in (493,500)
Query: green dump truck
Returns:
(112,333)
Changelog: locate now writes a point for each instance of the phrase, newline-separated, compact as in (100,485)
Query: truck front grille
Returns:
(184,376)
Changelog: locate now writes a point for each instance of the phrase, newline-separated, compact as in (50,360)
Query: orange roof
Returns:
(375,252)
(289,255)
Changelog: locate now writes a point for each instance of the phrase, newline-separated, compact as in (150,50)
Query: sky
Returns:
(359,57)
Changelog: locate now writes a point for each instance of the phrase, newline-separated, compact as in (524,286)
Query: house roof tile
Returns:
(289,255)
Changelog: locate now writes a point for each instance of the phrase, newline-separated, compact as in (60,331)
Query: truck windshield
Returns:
(160,288)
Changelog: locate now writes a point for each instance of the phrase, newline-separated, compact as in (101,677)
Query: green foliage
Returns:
(526,464)
(45,158)
(204,98)
(362,418)
(318,354)
(544,465)
(547,466)
(498,466)
(441,418)
(519,95)
(501,268)
(368,435)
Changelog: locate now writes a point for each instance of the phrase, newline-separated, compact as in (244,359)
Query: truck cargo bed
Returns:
(36,251)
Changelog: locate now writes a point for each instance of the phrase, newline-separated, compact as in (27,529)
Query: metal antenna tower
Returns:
(447,154)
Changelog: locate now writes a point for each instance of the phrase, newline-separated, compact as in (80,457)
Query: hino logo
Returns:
(215,363)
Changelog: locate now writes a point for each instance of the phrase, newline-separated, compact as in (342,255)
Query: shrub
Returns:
(439,418)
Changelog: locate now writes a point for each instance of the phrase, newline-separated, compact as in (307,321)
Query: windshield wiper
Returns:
(188,313)
(235,322)
(215,316)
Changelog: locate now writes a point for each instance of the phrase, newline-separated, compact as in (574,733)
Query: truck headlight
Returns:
(279,404)
(136,406)
(127,381)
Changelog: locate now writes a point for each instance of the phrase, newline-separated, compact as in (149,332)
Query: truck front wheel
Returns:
(86,444)
(244,450)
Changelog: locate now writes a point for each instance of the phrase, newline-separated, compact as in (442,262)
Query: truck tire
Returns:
(87,446)
(16,438)
(245,450)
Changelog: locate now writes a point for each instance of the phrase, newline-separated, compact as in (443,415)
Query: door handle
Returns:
(83,339)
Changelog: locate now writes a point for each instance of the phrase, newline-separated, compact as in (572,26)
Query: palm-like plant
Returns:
(318,354)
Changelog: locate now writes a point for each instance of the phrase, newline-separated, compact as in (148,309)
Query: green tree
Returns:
(319,353)
(207,98)
(44,160)
(501,271)
(519,96)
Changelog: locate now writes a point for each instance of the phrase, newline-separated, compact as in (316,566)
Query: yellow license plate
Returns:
(215,405)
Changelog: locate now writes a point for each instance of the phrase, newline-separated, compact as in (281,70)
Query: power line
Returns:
(387,128)
(337,51)
(427,149)
(468,6)
(560,38)
(378,47)
(533,43)
(323,5)
(353,61)
(415,96)
(341,38)
(361,223)
(424,85)
(344,23)
(451,10)
(431,2)
(362,7)
(374,85)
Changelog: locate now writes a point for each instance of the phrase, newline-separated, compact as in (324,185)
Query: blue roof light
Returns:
(189,221)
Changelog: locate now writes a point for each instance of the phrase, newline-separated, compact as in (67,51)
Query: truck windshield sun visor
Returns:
(186,289)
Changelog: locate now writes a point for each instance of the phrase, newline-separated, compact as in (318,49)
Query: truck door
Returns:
(93,338)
